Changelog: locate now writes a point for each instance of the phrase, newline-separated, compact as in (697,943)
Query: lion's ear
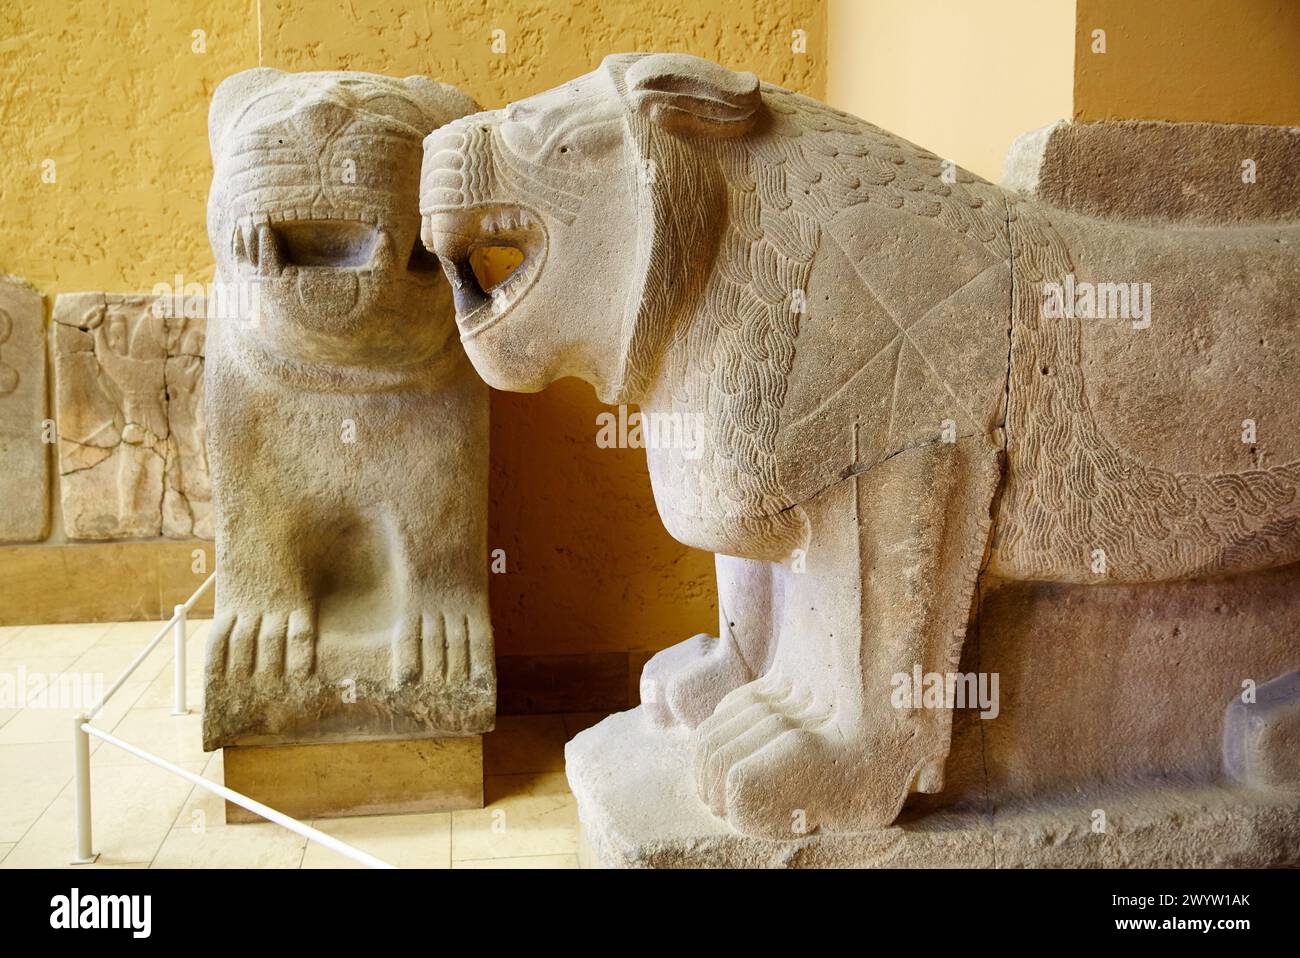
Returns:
(441,102)
(692,96)
(231,95)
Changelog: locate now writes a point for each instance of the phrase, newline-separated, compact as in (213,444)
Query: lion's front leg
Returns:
(442,635)
(264,624)
(817,742)
(683,684)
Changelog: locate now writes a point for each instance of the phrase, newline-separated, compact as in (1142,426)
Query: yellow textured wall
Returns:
(1206,60)
(958,77)
(114,94)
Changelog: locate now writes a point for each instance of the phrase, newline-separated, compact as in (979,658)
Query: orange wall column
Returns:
(1188,60)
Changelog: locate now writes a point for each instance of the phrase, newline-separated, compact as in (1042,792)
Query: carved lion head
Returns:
(312,208)
(600,187)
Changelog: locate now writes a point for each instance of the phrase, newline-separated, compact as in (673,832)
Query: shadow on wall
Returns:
(589,566)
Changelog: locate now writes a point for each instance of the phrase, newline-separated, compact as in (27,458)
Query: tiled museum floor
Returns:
(146,817)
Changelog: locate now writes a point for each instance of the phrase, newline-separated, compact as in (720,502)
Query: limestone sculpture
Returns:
(129,399)
(348,431)
(901,390)
(24,448)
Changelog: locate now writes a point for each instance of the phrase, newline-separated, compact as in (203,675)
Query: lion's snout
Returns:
(457,170)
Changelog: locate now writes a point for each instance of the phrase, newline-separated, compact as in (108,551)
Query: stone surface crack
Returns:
(1011,334)
(976,632)
(166,456)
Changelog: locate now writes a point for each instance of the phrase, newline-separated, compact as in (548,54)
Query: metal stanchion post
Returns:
(81,783)
(178,661)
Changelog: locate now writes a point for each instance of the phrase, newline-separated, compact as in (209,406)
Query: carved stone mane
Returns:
(1071,489)
(803,164)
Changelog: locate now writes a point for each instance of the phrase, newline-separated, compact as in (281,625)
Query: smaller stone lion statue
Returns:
(890,407)
(348,432)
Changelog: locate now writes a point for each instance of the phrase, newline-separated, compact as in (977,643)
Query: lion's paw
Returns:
(776,767)
(244,643)
(683,684)
(745,722)
(442,647)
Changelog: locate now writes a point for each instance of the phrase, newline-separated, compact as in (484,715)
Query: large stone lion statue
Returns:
(907,377)
(348,432)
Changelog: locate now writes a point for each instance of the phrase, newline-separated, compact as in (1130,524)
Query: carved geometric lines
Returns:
(905,362)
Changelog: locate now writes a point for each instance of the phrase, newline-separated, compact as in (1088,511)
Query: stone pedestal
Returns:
(639,808)
(1099,755)
(342,779)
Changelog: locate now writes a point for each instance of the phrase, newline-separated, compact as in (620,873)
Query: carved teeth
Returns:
(271,254)
(505,221)
(450,270)
(248,241)
(465,289)
(383,257)
(269,258)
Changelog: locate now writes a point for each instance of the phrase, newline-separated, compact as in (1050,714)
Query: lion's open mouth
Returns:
(491,254)
(269,244)
(324,260)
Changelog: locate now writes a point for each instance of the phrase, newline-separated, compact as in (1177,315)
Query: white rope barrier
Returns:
(82,730)
(230,795)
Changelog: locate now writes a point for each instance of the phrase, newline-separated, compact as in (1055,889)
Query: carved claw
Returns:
(243,644)
(451,647)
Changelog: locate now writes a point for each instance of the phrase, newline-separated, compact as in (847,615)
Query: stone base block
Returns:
(639,809)
(341,779)
(1153,171)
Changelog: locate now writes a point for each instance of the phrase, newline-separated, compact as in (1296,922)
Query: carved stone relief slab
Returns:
(129,401)
(25,477)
